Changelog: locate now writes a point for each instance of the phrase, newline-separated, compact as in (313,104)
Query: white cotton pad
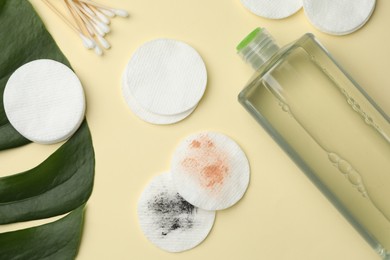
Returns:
(338,17)
(44,101)
(166,77)
(170,222)
(146,115)
(273,9)
(210,171)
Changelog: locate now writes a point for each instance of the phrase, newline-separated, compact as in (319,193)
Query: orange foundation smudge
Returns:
(214,174)
(206,162)
(195,144)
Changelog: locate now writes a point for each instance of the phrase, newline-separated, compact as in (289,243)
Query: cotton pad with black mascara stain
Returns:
(169,221)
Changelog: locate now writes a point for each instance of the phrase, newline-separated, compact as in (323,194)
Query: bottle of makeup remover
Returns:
(327,124)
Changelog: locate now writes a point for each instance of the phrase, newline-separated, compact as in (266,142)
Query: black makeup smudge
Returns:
(172,212)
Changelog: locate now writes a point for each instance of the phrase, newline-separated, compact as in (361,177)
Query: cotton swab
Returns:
(77,14)
(91,21)
(98,50)
(106,45)
(88,43)
(119,12)
(100,15)
(86,8)
(87,31)
(91,27)
(107,12)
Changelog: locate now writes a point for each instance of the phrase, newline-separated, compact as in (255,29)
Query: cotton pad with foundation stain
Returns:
(168,221)
(166,78)
(338,17)
(44,101)
(210,171)
(273,9)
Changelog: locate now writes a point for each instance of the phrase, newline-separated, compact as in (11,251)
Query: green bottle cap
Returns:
(250,37)
(257,48)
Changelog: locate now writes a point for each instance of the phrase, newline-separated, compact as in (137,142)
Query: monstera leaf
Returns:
(60,184)
(23,38)
(57,240)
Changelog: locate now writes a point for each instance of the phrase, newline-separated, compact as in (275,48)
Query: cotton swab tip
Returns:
(98,50)
(87,42)
(103,18)
(103,27)
(103,42)
(120,12)
(107,12)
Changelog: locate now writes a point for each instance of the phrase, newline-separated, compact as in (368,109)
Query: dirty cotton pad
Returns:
(170,222)
(44,101)
(146,115)
(273,9)
(338,17)
(166,77)
(210,171)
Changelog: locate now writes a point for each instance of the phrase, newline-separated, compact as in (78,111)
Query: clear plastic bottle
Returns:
(327,124)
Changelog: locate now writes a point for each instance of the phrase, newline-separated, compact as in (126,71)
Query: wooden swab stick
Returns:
(86,41)
(78,15)
(85,7)
(89,2)
(102,26)
(63,18)
(98,33)
(91,21)
(79,22)
(118,12)
(100,15)
(92,26)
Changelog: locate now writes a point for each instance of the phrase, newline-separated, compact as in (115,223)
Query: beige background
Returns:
(282,215)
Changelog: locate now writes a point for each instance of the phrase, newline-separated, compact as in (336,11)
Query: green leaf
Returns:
(60,184)
(64,181)
(57,240)
(23,38)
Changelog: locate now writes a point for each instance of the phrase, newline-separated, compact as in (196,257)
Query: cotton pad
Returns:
(273,9)
(170,222)
(210,171)
(166,77)
(146,115)
(338,17)
(44,101)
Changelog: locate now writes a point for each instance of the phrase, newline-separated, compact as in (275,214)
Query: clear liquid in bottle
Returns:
(327,124)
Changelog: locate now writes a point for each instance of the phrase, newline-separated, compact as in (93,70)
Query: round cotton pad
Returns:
(273,9)
(166,77)
(170,222)
(210,171)
(147,115)
(44,101)
(338,17)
